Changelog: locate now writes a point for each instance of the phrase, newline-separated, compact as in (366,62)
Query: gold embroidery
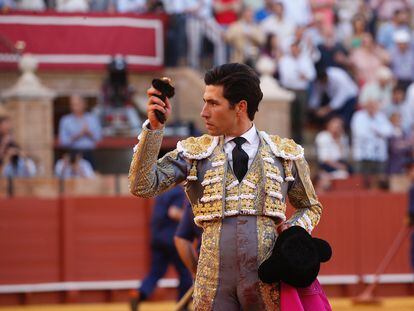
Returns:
(141,173)
(286,145)
(193,171)
(206,282)
(288,172)
(266,238)
(195,146)
(303,197)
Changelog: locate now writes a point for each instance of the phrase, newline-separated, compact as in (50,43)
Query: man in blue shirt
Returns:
(80,130)
(165,217)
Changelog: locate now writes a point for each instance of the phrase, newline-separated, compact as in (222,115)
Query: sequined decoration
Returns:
(266,236)
(207,277)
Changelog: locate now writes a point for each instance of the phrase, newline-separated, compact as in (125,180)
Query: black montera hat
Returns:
(295,259)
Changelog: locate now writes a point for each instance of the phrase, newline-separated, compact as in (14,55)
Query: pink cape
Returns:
(311,298)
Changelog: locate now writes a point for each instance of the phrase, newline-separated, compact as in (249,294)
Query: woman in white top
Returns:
(332,147)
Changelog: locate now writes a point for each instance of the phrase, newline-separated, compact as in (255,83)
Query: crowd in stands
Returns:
(350,64)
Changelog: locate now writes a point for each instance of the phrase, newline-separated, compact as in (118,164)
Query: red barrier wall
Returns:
(107,238)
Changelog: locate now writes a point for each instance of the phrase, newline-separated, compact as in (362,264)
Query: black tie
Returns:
(240,158)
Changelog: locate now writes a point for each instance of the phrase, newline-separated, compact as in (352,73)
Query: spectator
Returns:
(325,9)
(201,24)
(315,31)
(333,93)
(246,38)
(134,6)
(17,164)
(31,5)
(227,11)
(176,31)
(6,136)
(386,8)
(332,149)
(6,5)
(102,5)
(72,6)
(410,95)
(370,132)
(265,11)
(155,6)
(401,107)
(359,29)
(72,165)
(277,23)
(79,130)
(381,88)
(385,35)
(368,59)
(305,40)
(399,147)
(298,11)
(402,58)
(345,11)
(296,72)
(271,48)
(333,53)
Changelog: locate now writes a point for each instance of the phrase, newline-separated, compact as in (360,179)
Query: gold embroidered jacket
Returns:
(279,170)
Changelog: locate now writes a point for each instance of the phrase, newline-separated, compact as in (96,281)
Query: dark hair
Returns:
(321,74)
(240,82)
(398,88)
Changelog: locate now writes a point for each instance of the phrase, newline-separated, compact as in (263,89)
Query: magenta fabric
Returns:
(311,298)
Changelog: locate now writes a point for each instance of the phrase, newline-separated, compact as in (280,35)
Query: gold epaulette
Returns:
(283,147)
(198,148)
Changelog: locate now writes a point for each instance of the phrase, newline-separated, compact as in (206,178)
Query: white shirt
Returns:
(410,95)
(177,6)
(203,8)
(72,6)
(291,69)
(298,11)
(339,88)
(250,146)
(373,90)
(283,29)
(369,136)
(31,5)
(329,149)
(124,6)
(404,110)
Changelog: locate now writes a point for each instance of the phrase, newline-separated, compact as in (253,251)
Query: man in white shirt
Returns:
(237,180)
(334,93)
(370,130)
(277,23)
(296,72)
(381,88)
(298,11)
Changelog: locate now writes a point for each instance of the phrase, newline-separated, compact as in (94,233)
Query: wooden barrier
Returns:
(77,239)
(101,185)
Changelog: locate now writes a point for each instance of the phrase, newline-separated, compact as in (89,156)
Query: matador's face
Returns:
(219,116)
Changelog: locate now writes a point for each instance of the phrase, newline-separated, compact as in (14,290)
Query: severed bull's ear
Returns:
(164,85)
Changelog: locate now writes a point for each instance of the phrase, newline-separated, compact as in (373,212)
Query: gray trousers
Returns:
(238,287)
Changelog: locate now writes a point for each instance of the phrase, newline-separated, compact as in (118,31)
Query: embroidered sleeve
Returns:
(303,197)
(149,176)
